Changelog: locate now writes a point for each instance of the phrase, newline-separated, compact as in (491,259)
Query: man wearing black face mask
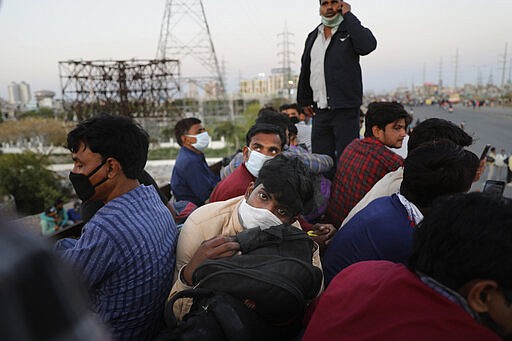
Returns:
(126,252)
(303,130)
(458,284)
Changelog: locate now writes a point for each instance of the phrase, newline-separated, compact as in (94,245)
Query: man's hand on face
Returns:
(345,8)
(215,248)
(309,111)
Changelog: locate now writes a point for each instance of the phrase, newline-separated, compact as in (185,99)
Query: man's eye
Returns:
(282,212)
(263,196)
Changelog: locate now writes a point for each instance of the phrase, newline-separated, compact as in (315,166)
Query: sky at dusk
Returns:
(412,37)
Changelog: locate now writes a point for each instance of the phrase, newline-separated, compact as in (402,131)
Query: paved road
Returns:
(486,125)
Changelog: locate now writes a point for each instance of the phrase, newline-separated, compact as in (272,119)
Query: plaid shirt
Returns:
(362,164)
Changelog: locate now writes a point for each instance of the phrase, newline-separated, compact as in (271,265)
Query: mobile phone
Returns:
(494,187)
(485,151)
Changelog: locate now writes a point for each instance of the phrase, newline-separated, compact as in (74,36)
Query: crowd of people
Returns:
(403,250)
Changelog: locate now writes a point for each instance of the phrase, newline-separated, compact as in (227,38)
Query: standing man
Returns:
(330,86)
(126,252)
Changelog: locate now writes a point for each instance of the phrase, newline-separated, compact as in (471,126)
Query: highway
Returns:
(486,125)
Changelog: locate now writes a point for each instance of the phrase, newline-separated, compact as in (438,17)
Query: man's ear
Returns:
(377,132)
(479,294)
(245,153)
(113,167)
(249,190)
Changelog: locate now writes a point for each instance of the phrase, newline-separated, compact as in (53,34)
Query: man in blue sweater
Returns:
(126,253)
(383,230)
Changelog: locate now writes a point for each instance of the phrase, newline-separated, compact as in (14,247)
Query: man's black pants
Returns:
(333,130)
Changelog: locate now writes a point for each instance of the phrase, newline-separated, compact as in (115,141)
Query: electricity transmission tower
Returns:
(286,53)
(185,36)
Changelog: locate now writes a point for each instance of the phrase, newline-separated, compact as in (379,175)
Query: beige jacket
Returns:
(389,184)
(208,221)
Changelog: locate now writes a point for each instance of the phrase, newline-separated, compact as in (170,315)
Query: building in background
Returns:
(18,94)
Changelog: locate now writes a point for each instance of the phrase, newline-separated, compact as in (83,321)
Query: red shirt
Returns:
(361,165)
(381,300)
(234,185)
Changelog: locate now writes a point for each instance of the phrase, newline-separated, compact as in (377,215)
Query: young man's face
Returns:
(194,130)
(84,162)
(259,197)
(393,133)
(329,8)
(264,143)
(291,112)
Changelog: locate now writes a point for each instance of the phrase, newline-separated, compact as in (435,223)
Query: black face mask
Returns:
(294,119)
(83,187)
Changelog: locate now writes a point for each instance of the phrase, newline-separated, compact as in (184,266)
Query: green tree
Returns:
(26,177)
(231,131)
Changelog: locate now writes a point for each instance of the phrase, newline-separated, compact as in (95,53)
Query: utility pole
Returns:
(456,69)
(285,43)
(504,66)
(440,82)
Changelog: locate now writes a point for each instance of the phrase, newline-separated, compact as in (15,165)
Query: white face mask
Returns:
(251,217)
(255,162)
(202,141)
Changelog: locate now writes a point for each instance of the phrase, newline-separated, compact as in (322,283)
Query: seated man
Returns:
(432,129)
(364,162)
(263,142)
(74,213)
(303,130)
(126,252)
(383,229)
(458,285)
(62,214)
(49,221)
(278,195)
(191,178)
(315,163)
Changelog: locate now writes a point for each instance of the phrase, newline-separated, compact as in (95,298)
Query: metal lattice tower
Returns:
(185,36)
(286,53)
(137,88)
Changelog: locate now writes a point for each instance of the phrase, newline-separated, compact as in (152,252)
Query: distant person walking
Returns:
(501,166)
(330,87)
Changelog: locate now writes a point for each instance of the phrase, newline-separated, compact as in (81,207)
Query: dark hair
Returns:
(381,114)
(465,237)
(435,169)
(287,106)
(283,107)
(266,129)
(288,180)
(275,118)
(113,136)
(183,126)
(434,129)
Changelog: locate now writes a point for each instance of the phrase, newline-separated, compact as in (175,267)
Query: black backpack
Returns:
(272,279)
(273,276)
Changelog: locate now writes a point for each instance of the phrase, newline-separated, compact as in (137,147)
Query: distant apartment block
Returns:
(278,84)
(18,93)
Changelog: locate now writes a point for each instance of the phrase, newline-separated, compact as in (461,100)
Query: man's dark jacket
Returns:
(341,65)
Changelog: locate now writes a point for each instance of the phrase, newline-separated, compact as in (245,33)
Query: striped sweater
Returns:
(126,255)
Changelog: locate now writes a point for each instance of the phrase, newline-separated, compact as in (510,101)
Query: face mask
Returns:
(251,217)
(294,119)
(83,187)
(332,22)
(255,162)
(202,141)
